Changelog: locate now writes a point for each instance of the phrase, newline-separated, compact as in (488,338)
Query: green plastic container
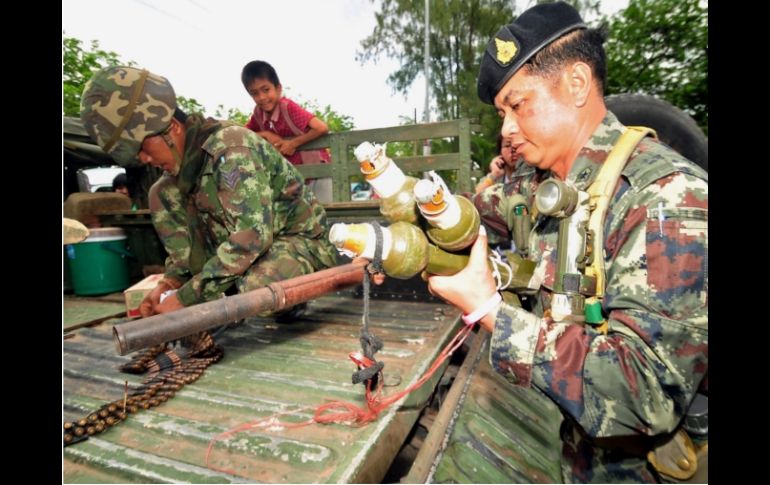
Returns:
(98,264)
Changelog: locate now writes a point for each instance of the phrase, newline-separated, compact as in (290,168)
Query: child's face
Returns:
(264,93)
(507,151)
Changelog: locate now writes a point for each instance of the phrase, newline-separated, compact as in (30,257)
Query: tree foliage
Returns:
(459,32)
(657,47)
(660,48)
(190,106)
(587,8)
(78,65)
(233,114)
(335,121)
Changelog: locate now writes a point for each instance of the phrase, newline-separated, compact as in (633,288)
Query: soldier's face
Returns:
(539,117)
(265,94)
(156,152)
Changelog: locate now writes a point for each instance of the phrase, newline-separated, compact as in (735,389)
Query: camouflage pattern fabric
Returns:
(618,391)
(120,107)
(494,205)
(242,216)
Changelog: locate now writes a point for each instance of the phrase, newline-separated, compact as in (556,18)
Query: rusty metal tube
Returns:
(143,333)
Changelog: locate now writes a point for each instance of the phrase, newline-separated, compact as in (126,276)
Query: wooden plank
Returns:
(439,129)
(464,183)
(421,164)
(316,170)
(357,205)
(350,212)
(444,421)
(131,212)
(79,312)
(88,323)
(325,141)
(502,434)
(440,161)
(340,168)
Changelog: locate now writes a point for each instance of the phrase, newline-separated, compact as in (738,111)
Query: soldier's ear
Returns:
(580,80)
(176,126)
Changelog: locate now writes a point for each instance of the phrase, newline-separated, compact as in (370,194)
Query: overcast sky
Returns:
(201,46)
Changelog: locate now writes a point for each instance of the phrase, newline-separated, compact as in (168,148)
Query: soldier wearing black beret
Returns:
(625,368)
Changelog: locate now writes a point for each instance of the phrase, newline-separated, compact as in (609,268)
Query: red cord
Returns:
(347,413)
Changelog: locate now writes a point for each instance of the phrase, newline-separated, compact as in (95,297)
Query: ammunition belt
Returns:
(169,373)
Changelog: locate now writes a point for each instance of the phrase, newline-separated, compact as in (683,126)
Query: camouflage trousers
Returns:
(284,260)
(322,188)
(287,258)
(614,460)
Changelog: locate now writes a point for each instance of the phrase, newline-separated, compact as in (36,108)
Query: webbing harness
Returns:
(599,193)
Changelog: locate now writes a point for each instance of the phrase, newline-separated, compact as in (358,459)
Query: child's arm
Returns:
(271,137)
(289,145)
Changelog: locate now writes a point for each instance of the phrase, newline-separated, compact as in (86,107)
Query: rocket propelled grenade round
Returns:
(406,252)
(453,218)
(389,183)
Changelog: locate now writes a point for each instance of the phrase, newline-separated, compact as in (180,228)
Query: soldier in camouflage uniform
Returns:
(625,391)
(229,209)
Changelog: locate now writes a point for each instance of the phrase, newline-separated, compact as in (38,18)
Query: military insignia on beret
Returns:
(506,50)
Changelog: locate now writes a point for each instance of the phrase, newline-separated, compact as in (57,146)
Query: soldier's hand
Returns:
(170,304)
(146,308)
(473,286)
(149,304)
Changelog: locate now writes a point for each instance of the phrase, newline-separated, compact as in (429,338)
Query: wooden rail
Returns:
(344,164)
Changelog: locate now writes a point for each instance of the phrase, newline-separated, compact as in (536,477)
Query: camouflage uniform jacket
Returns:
(218,219)
(639,378)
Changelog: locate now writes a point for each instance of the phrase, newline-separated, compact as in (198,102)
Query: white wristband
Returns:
(165,295)
(480,312)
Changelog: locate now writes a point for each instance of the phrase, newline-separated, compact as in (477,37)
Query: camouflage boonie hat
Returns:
(121,106)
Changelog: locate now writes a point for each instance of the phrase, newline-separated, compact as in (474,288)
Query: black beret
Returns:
(515,43)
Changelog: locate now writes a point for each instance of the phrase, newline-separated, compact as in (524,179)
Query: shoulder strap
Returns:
(258,115)
(287,118)
(600,193)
